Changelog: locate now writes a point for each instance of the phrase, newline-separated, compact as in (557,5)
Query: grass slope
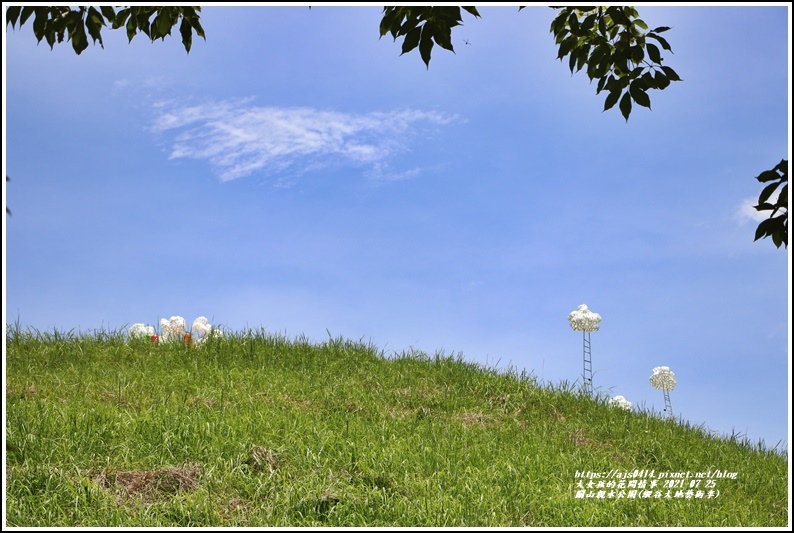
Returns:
(259,430)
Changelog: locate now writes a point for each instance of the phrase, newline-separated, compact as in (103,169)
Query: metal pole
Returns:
(668,408)
(587,364)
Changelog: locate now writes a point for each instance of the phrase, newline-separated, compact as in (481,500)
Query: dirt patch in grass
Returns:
(200,400)
(557,415)
(262,459)
(236,511)
(472,419)
(581,439)
(418,392)
(149,485)
(119,399)
(28,392)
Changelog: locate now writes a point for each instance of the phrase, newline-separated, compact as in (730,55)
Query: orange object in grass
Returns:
(187,339)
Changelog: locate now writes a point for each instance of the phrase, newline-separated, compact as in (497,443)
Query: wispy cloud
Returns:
(746,212)
(382,173)
(238,138)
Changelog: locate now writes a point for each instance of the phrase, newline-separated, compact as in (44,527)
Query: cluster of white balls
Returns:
(583,319)
(663,378)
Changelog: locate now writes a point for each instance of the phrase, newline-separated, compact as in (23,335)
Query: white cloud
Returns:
(238,139)
(381,173)
(748,213)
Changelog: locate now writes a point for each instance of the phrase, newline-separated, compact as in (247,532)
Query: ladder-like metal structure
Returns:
(668,408)
(587,364)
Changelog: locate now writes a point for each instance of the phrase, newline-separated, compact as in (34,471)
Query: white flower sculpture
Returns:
(620,401)
(205,330)
(141,330)
(663,378)
(583,319)
(201,326)
(173,328)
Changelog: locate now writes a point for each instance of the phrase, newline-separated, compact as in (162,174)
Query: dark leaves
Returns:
(776,226)
(612,99)
(625,106)
(75,24)
(639,95)
(610,45)
(423,26)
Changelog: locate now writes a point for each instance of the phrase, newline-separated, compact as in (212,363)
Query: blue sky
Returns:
(294,173)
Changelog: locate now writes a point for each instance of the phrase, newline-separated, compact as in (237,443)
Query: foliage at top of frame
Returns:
(56,23)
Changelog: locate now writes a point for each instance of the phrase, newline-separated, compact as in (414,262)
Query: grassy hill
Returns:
(260,430)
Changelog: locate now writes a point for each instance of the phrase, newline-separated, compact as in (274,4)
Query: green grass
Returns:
(259,430)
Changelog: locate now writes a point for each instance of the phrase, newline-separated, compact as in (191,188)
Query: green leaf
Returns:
(671,74)
(141,16)
(767,192)
(599,64)
(625,106)
(108,13)
(661,40)
(573,23)
(581,56)
(426,42)
(603,83)
(120,19)
(601,70)
(449,16)
(443,38)
(566,46)
(94,23)
(411,40)
(640,23)
(768,175)
(589,23)
(472,10)
(191,16)
(660,29)
(765,228)
(621,67)
(645,82)
(662,82)
(408,26)
(602,25)
(654,53)
(12,14)
(40,23)
(611,99)
(132,29)
(388,21)
(639,96)
(163,22)
(27,11)
(187,34)
(77,35)
(558,24)
(572,62)
(595,57)
(618,15)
